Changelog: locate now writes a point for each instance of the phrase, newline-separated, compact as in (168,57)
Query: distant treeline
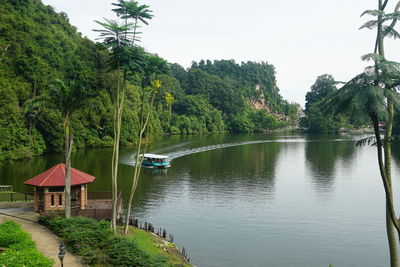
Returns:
(318,119)
(38,47)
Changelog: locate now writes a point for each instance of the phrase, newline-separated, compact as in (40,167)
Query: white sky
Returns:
(302,39)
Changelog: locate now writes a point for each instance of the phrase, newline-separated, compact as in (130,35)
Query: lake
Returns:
(252,200)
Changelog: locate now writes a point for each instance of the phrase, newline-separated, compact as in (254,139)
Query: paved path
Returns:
(46,242)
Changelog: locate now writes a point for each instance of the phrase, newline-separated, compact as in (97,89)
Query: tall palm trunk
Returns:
(387,147)
(118,111)
(68,148)
(138,160)
(394,261)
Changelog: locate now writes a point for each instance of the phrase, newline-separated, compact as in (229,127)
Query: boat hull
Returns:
(153,166)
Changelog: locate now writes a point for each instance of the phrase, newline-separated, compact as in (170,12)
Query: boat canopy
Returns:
(154,156)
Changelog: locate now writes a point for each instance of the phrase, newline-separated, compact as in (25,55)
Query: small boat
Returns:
(155,161)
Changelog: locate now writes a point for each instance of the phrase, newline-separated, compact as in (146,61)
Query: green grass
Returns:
(20,250)
(155,246)
(6,197)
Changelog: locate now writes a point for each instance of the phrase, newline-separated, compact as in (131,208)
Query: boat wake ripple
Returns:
(177,154)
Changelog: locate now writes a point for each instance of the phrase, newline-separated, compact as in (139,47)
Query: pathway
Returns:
(46,242)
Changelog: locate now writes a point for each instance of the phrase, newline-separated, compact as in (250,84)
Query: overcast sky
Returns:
(302,39)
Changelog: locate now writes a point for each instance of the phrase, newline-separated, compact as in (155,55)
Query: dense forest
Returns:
(39,48)
(317,119)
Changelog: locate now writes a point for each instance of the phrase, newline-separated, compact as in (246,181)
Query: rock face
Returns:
(258,102)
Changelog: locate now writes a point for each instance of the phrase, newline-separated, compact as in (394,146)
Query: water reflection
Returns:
(236,171)
(324,155)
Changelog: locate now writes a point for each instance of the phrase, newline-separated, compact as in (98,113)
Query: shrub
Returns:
(83,236)
(124,252)
(96,244)
(174,130)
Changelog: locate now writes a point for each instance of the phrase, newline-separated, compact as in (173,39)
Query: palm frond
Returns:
(392,16)
(390,32)
(369,24)
(372,56)
(373,12)
(370,140)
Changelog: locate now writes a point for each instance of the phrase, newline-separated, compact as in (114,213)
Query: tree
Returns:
(374,93)
(68,97)
(146,111)
(316,120)
(116,38)
(132,10)
(324,86)
(120,40)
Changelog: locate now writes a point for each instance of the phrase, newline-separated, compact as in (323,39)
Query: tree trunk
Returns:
(68,148)
(118,111)
(139,160)
(387,147)
(388,170)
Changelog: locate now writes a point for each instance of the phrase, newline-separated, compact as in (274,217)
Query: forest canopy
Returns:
(39,48)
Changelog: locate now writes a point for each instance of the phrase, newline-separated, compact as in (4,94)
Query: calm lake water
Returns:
(252,200)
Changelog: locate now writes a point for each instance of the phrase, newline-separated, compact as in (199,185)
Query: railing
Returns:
(95,213)
(99,195)
(6,188)
(14,196)
(75,204)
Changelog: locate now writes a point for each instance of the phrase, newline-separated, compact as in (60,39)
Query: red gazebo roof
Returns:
(55,176)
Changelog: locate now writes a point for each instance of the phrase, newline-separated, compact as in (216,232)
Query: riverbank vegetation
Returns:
(97,245)
(318,119)
(39,49)
(18,247)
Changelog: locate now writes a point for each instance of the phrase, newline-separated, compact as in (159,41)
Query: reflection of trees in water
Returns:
(235,171)
(322,158)
(15,173)
(225,173)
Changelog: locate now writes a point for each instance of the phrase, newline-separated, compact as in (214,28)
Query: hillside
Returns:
(38,47)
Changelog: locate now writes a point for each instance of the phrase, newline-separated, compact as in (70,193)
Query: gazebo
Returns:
(49,189)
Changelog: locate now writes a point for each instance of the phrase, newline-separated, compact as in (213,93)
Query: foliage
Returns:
(97,244)
(319,119)
(38,47)
(374,94)
(82,235)
(124,252)
(20,249)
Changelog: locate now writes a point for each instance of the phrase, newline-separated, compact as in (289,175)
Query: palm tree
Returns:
(132,10)
(125,57)
(374,93)
(67,97)
(146,111)
(116,38)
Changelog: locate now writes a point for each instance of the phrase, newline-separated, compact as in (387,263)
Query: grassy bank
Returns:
(157,247)
(95,243)
(18,248)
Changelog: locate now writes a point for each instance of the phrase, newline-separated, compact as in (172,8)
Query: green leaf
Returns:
(369,24)
(373,12)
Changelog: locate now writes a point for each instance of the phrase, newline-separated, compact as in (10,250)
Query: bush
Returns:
(124,252)
(21,249)
(96,244)
(83,236)
(174,130)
